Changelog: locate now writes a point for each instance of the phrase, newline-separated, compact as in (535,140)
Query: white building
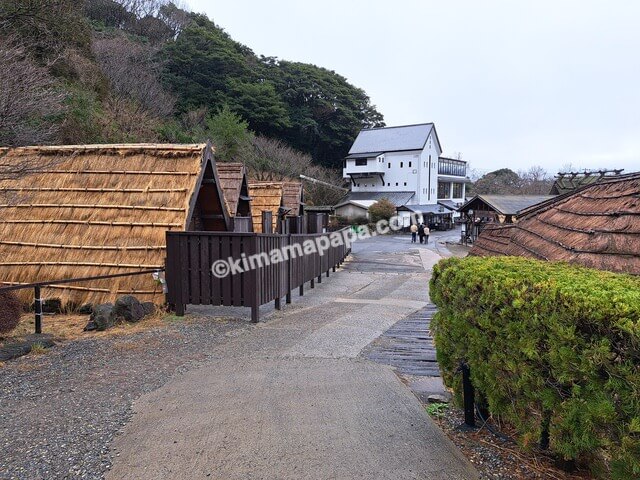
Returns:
(403,164)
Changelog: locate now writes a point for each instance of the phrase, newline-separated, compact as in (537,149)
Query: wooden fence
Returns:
(190,256)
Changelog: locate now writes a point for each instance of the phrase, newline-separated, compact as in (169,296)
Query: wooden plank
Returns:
(184,268)
(205,266)
(236,280)
(225,282)
(193,243)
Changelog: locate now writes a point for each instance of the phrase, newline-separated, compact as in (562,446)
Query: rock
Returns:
(148,307)
(90,326)
(86,309)
(437,398)
(13,350)
(50,305)
(129,309)
(102,317)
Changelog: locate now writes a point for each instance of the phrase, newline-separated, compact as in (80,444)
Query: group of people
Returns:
(421,231)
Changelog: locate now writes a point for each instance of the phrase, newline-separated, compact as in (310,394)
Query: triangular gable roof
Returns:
(393,139)
(265,196)
(233,176)
(88,210)
(293,198)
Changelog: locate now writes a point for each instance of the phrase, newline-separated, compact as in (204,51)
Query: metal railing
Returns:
(37,287)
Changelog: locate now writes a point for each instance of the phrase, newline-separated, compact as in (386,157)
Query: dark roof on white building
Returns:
(507,204)
(393,139)
(397,198)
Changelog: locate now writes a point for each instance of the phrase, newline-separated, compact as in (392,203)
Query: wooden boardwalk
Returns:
(408,346)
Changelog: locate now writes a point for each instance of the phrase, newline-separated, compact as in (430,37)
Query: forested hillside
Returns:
(94,71)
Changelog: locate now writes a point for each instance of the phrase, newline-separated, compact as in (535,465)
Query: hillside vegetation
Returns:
(95,71)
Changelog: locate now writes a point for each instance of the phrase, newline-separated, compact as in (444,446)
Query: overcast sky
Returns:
(507,83)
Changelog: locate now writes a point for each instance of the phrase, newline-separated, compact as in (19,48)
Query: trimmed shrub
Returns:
(10,310)
(383,209)
(548,344)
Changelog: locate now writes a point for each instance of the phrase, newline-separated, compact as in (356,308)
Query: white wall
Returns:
(428,193)
(401,172)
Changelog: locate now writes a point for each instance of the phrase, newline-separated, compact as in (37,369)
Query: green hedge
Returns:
(547,343)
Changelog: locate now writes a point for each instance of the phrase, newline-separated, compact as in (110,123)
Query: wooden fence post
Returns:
(289,267)
(267,222)
(38,308)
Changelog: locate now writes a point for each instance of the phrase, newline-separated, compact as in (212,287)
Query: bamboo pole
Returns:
(97,222)
(116,172)
(83,247)
(97,190)
(79,264)
(93,207)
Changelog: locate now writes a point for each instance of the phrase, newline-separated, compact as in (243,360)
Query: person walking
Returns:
(421,232)
(426,234)
(414,232)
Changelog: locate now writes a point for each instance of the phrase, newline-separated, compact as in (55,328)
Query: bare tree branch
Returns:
(30,99)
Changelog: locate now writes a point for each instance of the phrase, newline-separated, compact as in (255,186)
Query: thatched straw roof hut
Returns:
(94,210)
(235,188)
(293,198)
(265,196)
(596,226)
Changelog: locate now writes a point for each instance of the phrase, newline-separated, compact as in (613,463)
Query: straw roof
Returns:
(233,181)
(265,196)
(98,210)
(292,198)
(596,226)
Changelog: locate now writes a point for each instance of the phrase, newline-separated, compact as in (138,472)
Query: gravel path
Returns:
(59,411)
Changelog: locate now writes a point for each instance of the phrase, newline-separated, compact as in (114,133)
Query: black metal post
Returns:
(38,307)
(544,435)
(468,394)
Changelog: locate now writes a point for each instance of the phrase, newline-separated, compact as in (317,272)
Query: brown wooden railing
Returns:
(190,256)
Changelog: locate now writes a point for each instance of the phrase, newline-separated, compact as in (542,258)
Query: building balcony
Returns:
(451,167)
(363,167)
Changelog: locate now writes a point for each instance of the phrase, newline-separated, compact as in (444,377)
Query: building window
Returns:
(409,164)
(401,164)
(388,184)
(457,190)
(396,184)
(405,184)
(361,162)
(444,189)
(358,184)
(389,164)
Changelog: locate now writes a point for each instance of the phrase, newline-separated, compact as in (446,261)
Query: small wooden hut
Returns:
(293,198)
(265,196)
(235,188)
(89,210)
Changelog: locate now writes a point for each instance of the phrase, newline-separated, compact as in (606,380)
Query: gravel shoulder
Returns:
(60,410)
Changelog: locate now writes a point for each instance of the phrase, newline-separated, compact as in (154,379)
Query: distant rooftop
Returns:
(569,181)
(392,139)
(397,198)
(507,204)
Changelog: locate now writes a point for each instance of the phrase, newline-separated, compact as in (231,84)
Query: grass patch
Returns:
(437,410)
(38,349)
(173,318)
